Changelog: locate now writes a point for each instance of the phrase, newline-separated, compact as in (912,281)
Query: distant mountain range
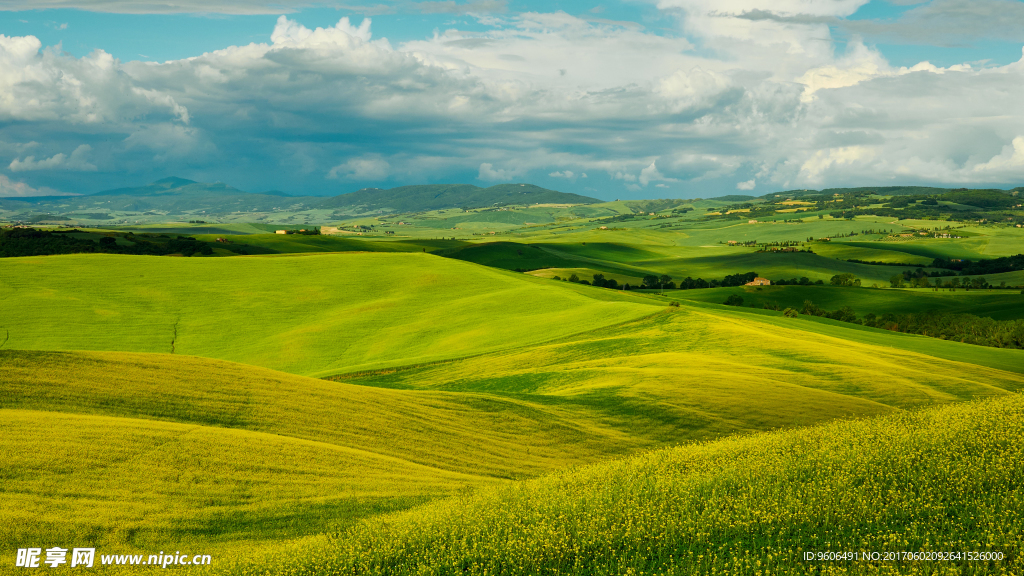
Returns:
(179,196)
(180,199)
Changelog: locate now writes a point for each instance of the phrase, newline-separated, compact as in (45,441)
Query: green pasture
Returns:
(923,248)
(305,314)
(869,252)
(997,304)
(206,228)
(625,261)
(1004,359)
(300,243)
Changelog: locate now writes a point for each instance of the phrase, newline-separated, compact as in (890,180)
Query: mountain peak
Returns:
(173,182)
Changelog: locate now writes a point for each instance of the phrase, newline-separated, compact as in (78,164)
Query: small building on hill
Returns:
(759,282)
(280,232)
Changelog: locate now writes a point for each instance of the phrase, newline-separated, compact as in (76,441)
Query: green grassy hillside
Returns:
(312,314)
(299,243)
(622,260)
(695,374)
(997,304)
(940,480)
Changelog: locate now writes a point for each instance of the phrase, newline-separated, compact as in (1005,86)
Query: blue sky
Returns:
(658,98)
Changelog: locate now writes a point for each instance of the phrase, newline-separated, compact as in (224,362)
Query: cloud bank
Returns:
(746,95)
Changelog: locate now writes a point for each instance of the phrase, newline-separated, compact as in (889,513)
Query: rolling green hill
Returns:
(701,373)
(622,260)
(224,455)
(130,451)
(943,480)
(305,314)
(158,402)
(996,304)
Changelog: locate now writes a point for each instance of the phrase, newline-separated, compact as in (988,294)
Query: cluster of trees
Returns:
(665,282)
(957,327)
(844,314)
(844,280)
(875,263)
(599,280)
(910,279)
(689,283)
(783,244)
(802,281)
(972,268)
(32,242)
(831,236)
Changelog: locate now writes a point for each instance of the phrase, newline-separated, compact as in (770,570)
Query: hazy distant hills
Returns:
(440,196)
(179,196)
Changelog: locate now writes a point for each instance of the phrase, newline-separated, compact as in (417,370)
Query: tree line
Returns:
(31,242)
(976,268)
(966,328)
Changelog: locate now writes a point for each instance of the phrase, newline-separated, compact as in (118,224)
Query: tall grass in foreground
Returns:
(947,479)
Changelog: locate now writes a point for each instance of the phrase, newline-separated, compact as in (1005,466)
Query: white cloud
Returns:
(169,141)
(814,168)
(861,64)
(362,169)
(652,174)
(77,161)
(12,189)
(1011,160)
(748,185)
(40,85)
(489,173)
(766,96)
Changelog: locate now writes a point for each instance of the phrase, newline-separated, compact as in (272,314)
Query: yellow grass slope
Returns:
(471,433)
(133,451)
(128,483)
(693,373)
(936,484)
